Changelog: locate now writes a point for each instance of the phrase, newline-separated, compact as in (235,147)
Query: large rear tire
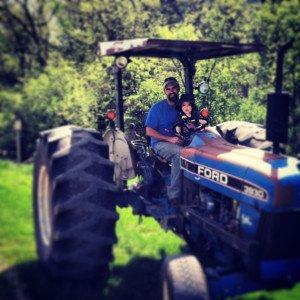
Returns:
(183,279)
(74,209)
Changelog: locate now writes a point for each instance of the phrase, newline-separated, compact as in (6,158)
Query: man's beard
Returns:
(173,97)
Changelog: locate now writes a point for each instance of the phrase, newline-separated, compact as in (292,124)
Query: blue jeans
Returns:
(171,152)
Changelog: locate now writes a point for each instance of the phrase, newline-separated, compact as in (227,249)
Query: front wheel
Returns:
(74,208)
(183,279)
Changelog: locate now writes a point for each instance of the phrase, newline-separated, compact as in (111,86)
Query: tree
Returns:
(24,37)
(278,23)
(86,22)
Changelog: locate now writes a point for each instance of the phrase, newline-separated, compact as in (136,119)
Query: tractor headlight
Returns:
(203,87)
(121,62)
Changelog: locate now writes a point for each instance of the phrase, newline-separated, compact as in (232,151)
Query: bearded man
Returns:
(159,126)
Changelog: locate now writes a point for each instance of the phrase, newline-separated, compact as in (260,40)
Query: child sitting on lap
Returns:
(189,119)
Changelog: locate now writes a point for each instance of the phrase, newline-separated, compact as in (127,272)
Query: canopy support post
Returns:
(189,73)
(119,98)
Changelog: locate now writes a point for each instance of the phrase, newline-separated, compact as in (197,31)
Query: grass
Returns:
(135,272)
(142,244)
(16,230)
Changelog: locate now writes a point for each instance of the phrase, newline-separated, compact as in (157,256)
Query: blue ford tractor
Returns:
(240,204)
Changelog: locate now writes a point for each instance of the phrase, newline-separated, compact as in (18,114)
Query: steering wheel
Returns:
(187,132)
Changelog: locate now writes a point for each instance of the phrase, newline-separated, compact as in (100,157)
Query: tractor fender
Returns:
(244,133)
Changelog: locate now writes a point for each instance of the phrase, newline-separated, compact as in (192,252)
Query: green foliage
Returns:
(145,88)
(281,23)
(223,20)
(178,32)
(24,38)
(10,106)
(63,95)
(87,22)
(234,93)
(60,95)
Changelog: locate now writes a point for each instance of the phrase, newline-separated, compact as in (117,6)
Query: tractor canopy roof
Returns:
(180,49)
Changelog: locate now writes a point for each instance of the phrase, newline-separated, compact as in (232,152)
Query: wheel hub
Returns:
(166,295)
(44,212)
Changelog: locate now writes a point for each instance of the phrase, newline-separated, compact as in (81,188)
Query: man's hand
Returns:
(164,138)
(174,140)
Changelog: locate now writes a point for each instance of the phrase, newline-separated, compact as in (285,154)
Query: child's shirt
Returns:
(184,124)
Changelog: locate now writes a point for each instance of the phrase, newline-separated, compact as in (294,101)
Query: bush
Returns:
(60,95)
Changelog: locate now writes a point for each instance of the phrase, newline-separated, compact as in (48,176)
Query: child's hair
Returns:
(187,98)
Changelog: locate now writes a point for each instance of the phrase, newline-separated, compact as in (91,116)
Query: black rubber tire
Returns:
(74,209)
(183,279)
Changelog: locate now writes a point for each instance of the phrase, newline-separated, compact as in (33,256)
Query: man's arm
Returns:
(164,138)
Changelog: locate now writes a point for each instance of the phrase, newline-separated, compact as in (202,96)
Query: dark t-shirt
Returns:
(186,123)
(162,118)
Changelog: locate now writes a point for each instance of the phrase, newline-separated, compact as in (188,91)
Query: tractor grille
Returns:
(279,235)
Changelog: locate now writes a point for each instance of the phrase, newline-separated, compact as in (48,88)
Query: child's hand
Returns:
(203,122)
(178,129)
(191,126)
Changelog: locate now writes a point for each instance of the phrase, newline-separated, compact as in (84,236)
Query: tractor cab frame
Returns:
(187,52)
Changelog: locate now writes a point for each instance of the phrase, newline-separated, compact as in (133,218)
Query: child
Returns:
(189,119)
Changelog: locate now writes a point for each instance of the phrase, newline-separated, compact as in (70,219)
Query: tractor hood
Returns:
(254,176)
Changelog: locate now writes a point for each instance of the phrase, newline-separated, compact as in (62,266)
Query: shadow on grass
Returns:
(29,281)
(139,279)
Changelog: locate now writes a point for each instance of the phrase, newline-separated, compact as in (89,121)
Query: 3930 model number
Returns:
(254,192)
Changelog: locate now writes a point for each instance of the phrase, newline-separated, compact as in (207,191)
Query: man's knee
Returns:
(176,158)
(167,150)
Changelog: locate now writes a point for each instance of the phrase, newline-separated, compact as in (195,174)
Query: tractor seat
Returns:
(159,159)
(140,148)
